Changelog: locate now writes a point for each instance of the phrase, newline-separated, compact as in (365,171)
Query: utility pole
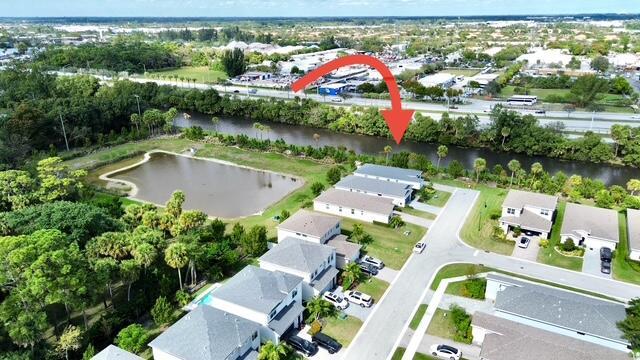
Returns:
(64,132)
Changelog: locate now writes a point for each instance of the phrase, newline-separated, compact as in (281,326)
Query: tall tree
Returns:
(479,165)
(176,256)
(233,62)
(271,351)
(387,151)
(514,166)
(442,152)
(320,308)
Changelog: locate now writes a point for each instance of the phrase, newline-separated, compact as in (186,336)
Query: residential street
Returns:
(379,335)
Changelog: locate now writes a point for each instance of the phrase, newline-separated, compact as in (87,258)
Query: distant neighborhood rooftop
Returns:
(633,219)
(359,201)
(518,199)
(302,255)
(257,289)
(310,223)
(375,186)
(205,333)
(560,308)
(113,352)
(597,222)
(388,172)
(508,340)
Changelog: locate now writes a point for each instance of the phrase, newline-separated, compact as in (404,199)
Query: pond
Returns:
(303,135)
(219,189)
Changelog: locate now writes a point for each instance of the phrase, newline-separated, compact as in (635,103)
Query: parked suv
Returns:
(368,269)
(337,300)
(327,342)
(605,267)
(359,298)
(372,261)
(306,347)
(605,254)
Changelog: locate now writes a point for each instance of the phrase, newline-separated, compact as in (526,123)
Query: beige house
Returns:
(531,212)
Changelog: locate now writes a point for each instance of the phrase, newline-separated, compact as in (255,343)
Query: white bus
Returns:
(522,100)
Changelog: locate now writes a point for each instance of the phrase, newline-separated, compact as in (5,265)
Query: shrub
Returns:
(194,133)
(462,322)
(162,311)
(568,245)
(475,288)
(133,338)
(396,222)
(284,215)
(182,298)
(317,188)
(544,243)
(495,214)
(333,175)
(517,231)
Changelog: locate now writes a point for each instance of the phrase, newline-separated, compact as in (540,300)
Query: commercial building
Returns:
(398,193)
(442,79)
(310,226)
(207,333)
(255,75)
(354,205)
(531,212)
(391,174)
(633,229)
(590,226)
(314,263)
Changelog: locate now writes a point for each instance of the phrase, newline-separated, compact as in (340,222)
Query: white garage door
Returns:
(596,244)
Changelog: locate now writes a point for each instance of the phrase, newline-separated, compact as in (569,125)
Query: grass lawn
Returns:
(441,325)
(413,325)
(549,255)
(397,355)
(374,287)
(508,91)
(418,213)
(342,330)
(439,199)
(458,288)
(202,74)
(455,270)
(463,72)
(390,245)
(623,268)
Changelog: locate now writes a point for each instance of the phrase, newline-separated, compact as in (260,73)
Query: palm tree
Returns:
(514,166)
(536,169)
(145,254)
(633,185)
(442,153)
(352,273)
(271,351)
(176,256)
(267,129)
(479,165)
(135,120)
(387,150)
(320,308)
(316,138)
(215,121)
(258,128)
(504,132)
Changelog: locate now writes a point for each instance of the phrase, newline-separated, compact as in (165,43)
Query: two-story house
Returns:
(207,333)
(309,226)
(314,263)
(399,193)
(391,174)
(272,299)
(531,212)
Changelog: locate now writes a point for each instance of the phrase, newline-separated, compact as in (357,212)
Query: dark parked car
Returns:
(306,347)
(368,269)
(605,254)
(326,342)
(605,267)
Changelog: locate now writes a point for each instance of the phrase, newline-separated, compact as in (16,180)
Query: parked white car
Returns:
(372,261)
(445,351)
(336,99)
(359,298)
(419,247)
(336,300)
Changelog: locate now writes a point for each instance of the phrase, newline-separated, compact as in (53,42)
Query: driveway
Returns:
(530,253)
(322,353)
(591,263)
(424,207)
(356,310)
(387,274)
(415,220)
(471,352)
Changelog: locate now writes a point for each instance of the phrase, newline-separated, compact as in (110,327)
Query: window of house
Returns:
(353,211)
(327,206)
(254,335)
(294,293)
(340,209)
(544,212)
(511,211)
(361,212)
(273,312)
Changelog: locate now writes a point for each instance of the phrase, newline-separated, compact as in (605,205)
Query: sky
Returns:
(308,8)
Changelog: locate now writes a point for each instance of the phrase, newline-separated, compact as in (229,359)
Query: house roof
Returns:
(633,224)
(597,222)
(389,172)
(310,223)
(205,333)
(507,340)
(297,254)
(358,201)
(113,352)
(343,247)
(529,220)
(518,199)
(374,186)
(257,289)
(560,308)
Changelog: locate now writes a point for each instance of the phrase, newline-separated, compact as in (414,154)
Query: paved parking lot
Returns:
(530,253)
(591,263)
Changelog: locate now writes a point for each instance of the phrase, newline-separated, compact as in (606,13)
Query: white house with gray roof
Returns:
(346,251)
(207,333)
(113,352)
(309,226)
(562,312)
(272,299)
(531,212)
(633,229)
(590,226)
(398,193)
(314,263)
(391,174)
(354,205)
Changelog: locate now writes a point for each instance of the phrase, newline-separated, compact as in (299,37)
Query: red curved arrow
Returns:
(397,119)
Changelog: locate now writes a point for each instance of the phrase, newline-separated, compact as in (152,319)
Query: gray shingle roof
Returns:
(298,254)
(310,223)
(113,352)
(257,289)
(205,333)
(509,340)
(598,222)
(351,200)
(560,308)
(374,187)
(529,220)
(280,324)
(389,172)
(633,222)
(518,199)
(343,247)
